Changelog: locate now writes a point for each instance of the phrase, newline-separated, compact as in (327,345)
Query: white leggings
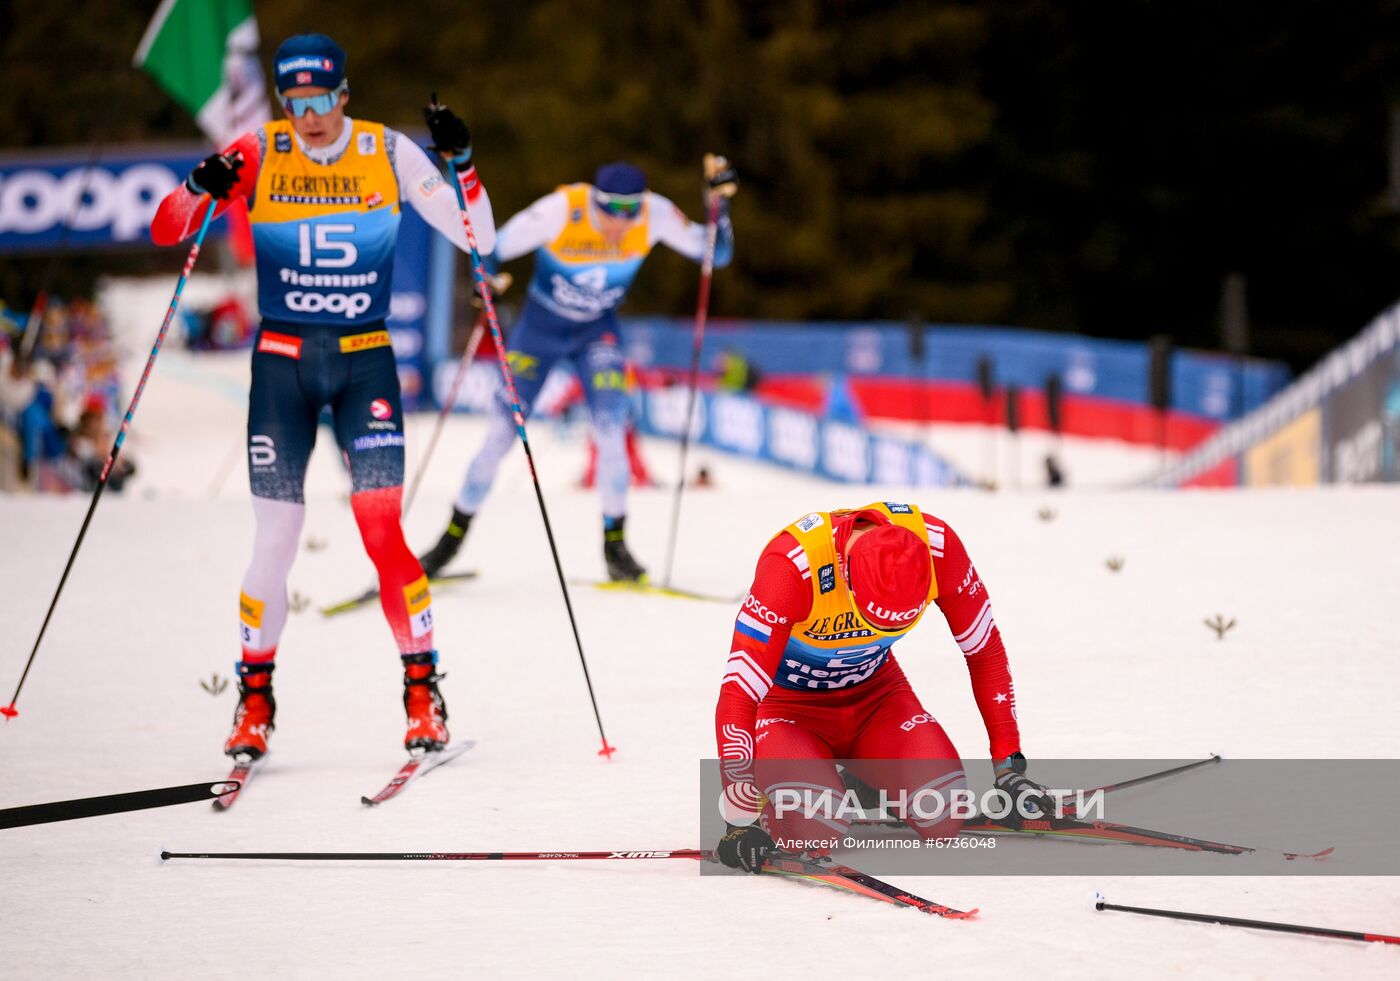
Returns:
(264,599)
(614,474)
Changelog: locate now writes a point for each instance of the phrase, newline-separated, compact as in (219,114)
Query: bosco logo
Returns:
(380,409)
(762,612)
(349,304)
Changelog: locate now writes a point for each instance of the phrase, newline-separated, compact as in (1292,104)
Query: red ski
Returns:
(417,765)
(242,772)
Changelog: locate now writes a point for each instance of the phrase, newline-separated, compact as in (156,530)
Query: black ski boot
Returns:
(442,553)
(621,566)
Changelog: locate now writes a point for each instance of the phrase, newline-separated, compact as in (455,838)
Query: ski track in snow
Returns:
(1105,665)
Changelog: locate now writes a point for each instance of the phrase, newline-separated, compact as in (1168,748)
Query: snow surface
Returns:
(1106,664)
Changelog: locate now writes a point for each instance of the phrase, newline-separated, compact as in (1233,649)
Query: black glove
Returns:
(720,176)
(1011,778)
(215,175)
(745,848)
(451,138)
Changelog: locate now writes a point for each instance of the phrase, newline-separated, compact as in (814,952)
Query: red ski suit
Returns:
(793,692)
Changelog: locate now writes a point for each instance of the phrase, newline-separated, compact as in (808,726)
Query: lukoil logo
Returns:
(32,201)
(350,304)
(892,616)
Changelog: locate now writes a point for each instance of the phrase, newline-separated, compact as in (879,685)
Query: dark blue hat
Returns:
(620,177)
(308,59)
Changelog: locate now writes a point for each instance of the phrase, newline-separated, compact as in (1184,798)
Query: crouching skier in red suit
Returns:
(811,678)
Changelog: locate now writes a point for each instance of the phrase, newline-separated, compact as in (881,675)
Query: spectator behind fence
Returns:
(44,398)
(88,447)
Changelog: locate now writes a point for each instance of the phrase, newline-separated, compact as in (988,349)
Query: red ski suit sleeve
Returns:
(780,598)
(181,213)
(964,603)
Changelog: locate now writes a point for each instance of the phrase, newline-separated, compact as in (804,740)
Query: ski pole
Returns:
(702,307)
(9,711)
(445,856)
(1123,784)
(1382,938)
(467,355)
(518,414)
(138,800)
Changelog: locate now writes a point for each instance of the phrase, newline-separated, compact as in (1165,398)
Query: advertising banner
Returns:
(408,307)
(1362,425)
(802,441)
(92,201)
(1291,457)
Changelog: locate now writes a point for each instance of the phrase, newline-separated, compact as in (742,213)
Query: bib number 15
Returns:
(329,251)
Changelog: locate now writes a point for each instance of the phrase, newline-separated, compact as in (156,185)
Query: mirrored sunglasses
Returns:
(319,104)
(620,205)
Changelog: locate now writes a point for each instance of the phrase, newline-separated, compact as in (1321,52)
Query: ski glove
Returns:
(1026,795)
(720,176)
(745,848)
(215,175)
(451,138)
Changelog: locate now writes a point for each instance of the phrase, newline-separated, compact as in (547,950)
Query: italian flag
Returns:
(205,54)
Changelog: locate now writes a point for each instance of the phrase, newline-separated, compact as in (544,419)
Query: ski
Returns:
(417,765)
(648,589)
(71,810)
(856,881)
(1104,831)
(241,773)
(790,866)
(1072,827)
(372,594)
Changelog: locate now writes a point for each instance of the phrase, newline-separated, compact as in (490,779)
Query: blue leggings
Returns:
(540,340)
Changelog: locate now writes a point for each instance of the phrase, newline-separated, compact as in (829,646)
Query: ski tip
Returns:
(958,914)
(367,802)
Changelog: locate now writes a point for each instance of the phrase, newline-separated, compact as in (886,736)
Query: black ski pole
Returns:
(702,308)
(1145,778)
(9,711)
(138,800)
(1382,938)
(518,413)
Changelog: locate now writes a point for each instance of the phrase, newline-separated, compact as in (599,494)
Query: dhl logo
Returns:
(364,342)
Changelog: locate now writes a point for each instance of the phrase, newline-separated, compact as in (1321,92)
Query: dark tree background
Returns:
(1072,165)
